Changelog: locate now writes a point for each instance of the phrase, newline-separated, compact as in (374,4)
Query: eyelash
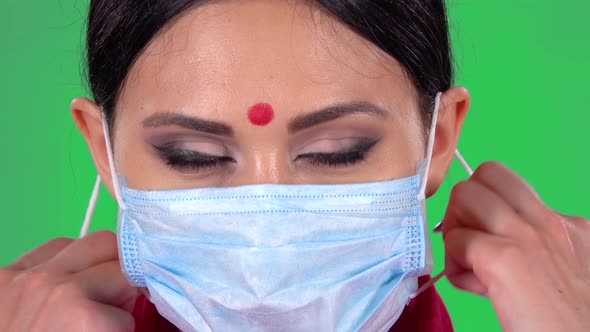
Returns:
(349,157)
(191,160)
(195,161)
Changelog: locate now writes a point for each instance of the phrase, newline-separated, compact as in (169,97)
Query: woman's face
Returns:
(344,111)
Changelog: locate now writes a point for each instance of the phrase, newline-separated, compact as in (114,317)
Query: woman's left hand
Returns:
(503,242)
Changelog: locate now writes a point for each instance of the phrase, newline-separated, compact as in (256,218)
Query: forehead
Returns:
(228,54)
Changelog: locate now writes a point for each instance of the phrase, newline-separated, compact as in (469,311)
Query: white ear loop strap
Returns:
(90,209)
(430,147)
(463,163)
(95,191)
(422,192)
(439,276)
(111,157)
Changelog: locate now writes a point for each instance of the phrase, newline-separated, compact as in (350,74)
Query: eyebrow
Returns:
(334,112)
(188,122)
(299,123)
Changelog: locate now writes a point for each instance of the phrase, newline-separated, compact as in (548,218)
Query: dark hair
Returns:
(414,32)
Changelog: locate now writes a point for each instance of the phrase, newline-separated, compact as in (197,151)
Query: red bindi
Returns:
(261,114)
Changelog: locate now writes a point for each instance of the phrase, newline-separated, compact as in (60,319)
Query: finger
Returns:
(40,254)
(517,193)
(93,249)
(575,220)
(105,283)
(474,206)
(577,244)
(467,281)
(438,227)
(116,320)
(96,317)
(467,251)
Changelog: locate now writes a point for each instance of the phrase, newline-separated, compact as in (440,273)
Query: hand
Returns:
(533,263)
(67,285)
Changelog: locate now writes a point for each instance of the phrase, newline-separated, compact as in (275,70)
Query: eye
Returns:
(347,157)
(190,160)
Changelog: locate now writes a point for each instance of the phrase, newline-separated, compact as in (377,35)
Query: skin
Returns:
(218,60)
(241,59)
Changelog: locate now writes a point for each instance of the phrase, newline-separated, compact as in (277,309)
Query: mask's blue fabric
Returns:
(277,257)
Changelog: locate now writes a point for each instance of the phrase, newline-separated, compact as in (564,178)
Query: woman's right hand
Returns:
(67,285)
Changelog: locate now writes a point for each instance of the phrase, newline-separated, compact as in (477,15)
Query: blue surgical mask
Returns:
(271,257)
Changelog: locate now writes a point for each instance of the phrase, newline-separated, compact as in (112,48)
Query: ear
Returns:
(453,108)
(88,119)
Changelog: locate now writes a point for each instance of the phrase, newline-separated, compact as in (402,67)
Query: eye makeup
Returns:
(190,160)
(345,157)
(194,161)
(343,144)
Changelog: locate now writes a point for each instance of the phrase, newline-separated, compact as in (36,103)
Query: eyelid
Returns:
(194,161)
(335,145)
(202,147)
(169,149)
(347,157)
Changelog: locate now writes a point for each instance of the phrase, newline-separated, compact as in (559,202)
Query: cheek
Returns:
(404,149)
(413,132)
(137,166)
(134,159)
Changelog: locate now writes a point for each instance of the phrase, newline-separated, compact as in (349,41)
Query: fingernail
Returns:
(438,227)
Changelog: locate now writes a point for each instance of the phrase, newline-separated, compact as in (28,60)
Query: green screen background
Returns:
(525,62)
